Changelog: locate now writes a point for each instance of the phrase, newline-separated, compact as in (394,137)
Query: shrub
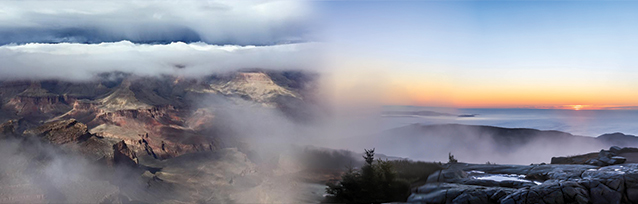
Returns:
(415,171)
(452,160)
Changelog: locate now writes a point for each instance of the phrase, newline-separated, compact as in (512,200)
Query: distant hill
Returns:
(619,139)
(421,113)
(477,143)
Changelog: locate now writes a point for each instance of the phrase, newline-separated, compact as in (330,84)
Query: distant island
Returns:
(423,113)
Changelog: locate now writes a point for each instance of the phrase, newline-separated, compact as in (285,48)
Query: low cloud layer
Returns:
(73,61)
(75,40)
(159,22)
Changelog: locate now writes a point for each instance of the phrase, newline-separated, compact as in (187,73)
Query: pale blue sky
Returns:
(489,33)
(494,40)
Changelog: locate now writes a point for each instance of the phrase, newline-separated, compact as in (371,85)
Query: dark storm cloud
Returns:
(158,22)
(95,35)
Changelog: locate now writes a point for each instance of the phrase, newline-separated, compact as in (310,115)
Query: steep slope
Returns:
(157,130)
(121,98)
(254,86)
(38,102)
(160,117)
(122,138)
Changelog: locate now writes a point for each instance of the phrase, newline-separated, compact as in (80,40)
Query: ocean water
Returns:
(578,122)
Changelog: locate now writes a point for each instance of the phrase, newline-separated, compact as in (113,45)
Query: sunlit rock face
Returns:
(61,132)
(255,86)
(38,101)
(127,138)
(162,117)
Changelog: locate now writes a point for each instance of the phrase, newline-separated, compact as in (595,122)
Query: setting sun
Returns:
(578,107)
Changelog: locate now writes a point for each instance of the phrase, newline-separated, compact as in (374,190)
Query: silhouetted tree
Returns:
(368,156)
(374,183)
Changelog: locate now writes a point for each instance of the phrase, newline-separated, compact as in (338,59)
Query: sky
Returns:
(464,54)
(219,22)
(75,40)
(498,54)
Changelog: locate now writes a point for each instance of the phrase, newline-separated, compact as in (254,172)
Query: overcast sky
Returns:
(213,22)
(78,39)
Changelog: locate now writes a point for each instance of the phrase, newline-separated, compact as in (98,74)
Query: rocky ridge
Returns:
(540,183)
(603,158)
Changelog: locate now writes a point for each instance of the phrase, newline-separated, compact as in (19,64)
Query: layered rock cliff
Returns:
(121,138)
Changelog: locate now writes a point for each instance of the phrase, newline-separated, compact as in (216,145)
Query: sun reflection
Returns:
(577,107)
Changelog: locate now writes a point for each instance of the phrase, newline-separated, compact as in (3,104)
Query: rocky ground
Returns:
(615,155)
(539,183)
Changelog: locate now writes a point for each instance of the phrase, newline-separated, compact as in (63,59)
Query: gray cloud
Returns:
(73,61)
(213,22)
(75,40)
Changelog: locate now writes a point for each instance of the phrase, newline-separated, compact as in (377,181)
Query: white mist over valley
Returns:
(272,101)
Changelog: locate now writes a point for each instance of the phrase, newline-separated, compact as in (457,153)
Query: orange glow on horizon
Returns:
(439,95)
(578,107)
(483,95)
(440,85)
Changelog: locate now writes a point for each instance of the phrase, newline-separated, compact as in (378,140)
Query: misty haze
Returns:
(273,101)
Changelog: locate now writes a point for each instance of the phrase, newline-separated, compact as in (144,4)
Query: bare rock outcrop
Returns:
(546,184)
(603,158)
(61,132)
(123,155)
(9,129)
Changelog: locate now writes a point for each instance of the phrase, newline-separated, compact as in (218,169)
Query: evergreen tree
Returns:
(374,183)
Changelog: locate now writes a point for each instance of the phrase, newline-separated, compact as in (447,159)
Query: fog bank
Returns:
(74,61)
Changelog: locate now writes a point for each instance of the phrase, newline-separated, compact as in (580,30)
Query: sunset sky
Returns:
(467,54)
(490,53)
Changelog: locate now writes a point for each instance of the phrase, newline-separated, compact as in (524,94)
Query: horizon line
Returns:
(543,107)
